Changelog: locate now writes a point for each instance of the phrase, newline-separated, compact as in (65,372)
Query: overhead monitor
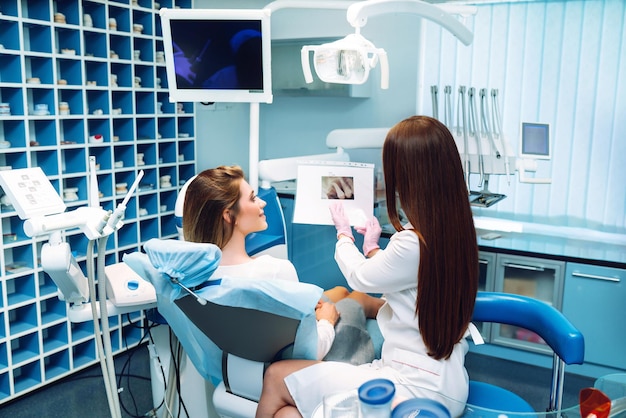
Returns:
(535,141)
(217,55)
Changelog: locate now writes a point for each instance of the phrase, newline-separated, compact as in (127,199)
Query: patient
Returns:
(222,208)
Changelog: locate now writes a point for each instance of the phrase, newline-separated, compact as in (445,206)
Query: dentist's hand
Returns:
(371,234)
(341,221)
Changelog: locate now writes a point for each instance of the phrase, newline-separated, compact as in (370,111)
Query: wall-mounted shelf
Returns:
(64,79)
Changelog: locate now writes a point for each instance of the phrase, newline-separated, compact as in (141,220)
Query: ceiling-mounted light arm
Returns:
(308,4)
(358,13)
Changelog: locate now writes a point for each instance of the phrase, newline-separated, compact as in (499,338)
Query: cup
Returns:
(96,139)
(64,108)
(137,54)
(70,194)
(341,405)
(112,23)
(41,109)
(612,385)
(165,181)
(375,398)
(87,21)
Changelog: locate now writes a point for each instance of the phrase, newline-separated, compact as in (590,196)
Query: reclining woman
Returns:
(222,208)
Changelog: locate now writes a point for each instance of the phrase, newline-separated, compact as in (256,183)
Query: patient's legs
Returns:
(276,401)
(337,293)
(370,304)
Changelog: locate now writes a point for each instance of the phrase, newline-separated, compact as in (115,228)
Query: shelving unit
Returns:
(67,82)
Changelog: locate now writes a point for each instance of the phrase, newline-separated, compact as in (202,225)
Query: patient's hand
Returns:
(327,311)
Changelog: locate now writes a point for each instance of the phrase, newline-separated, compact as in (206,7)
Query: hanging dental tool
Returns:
(433,93)
(484,116)
(497,128)
(456,131)
(475,132)
(447,106)
(462,112)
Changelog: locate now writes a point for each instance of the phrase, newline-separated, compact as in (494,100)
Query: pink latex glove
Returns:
(340,219)
(371,234)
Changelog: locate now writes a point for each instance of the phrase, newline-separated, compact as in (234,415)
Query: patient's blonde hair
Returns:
(208,196)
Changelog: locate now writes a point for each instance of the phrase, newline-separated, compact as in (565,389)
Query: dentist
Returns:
(428,275)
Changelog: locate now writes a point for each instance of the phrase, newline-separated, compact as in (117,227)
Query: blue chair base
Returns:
(485,395)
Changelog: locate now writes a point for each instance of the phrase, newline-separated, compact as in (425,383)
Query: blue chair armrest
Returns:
(537,316)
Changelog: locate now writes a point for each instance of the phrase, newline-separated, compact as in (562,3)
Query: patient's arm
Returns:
(327,316)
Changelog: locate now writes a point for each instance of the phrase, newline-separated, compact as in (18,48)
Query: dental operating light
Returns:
(349,60)
(346,61)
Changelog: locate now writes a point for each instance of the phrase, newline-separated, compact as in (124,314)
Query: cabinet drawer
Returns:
(594,300)
(534,277)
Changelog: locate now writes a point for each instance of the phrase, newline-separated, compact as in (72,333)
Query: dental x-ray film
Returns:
(320,183)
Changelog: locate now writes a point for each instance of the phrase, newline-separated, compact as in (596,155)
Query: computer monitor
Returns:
(535,141)
(217,55)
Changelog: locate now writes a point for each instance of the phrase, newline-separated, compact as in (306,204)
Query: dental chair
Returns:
(230,328)
(551,325)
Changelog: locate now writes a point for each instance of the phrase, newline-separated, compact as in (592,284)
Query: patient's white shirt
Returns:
(268,267)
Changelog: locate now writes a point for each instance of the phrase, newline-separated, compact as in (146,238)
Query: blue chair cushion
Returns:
(485,395)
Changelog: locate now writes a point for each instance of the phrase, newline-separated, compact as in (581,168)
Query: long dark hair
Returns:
(423,170)
(211,193)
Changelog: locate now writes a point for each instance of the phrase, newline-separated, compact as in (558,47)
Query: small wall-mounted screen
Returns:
(535,141)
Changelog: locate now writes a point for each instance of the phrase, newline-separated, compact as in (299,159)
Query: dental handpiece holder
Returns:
(58,261)
(57,258)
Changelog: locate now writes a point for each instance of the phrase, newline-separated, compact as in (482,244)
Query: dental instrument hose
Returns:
(104,319)
(106,359)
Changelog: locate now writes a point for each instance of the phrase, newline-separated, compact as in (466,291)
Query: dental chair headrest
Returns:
(188,263)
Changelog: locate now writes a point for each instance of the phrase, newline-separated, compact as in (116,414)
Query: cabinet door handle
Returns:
(595,277)
(523,267)
(481,261)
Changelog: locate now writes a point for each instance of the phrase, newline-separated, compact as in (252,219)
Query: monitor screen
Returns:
(535,142)
(217,55)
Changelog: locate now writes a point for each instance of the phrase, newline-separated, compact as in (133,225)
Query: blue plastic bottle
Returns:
(375,397)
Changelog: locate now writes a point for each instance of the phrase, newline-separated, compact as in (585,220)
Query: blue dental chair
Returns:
(230,328)
(551,325)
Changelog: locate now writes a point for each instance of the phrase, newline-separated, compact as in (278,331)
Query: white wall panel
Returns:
(556,62)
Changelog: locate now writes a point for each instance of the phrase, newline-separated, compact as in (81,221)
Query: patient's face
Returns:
(251,217)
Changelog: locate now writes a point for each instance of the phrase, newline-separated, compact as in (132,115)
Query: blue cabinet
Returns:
(62,80)
(594,301)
